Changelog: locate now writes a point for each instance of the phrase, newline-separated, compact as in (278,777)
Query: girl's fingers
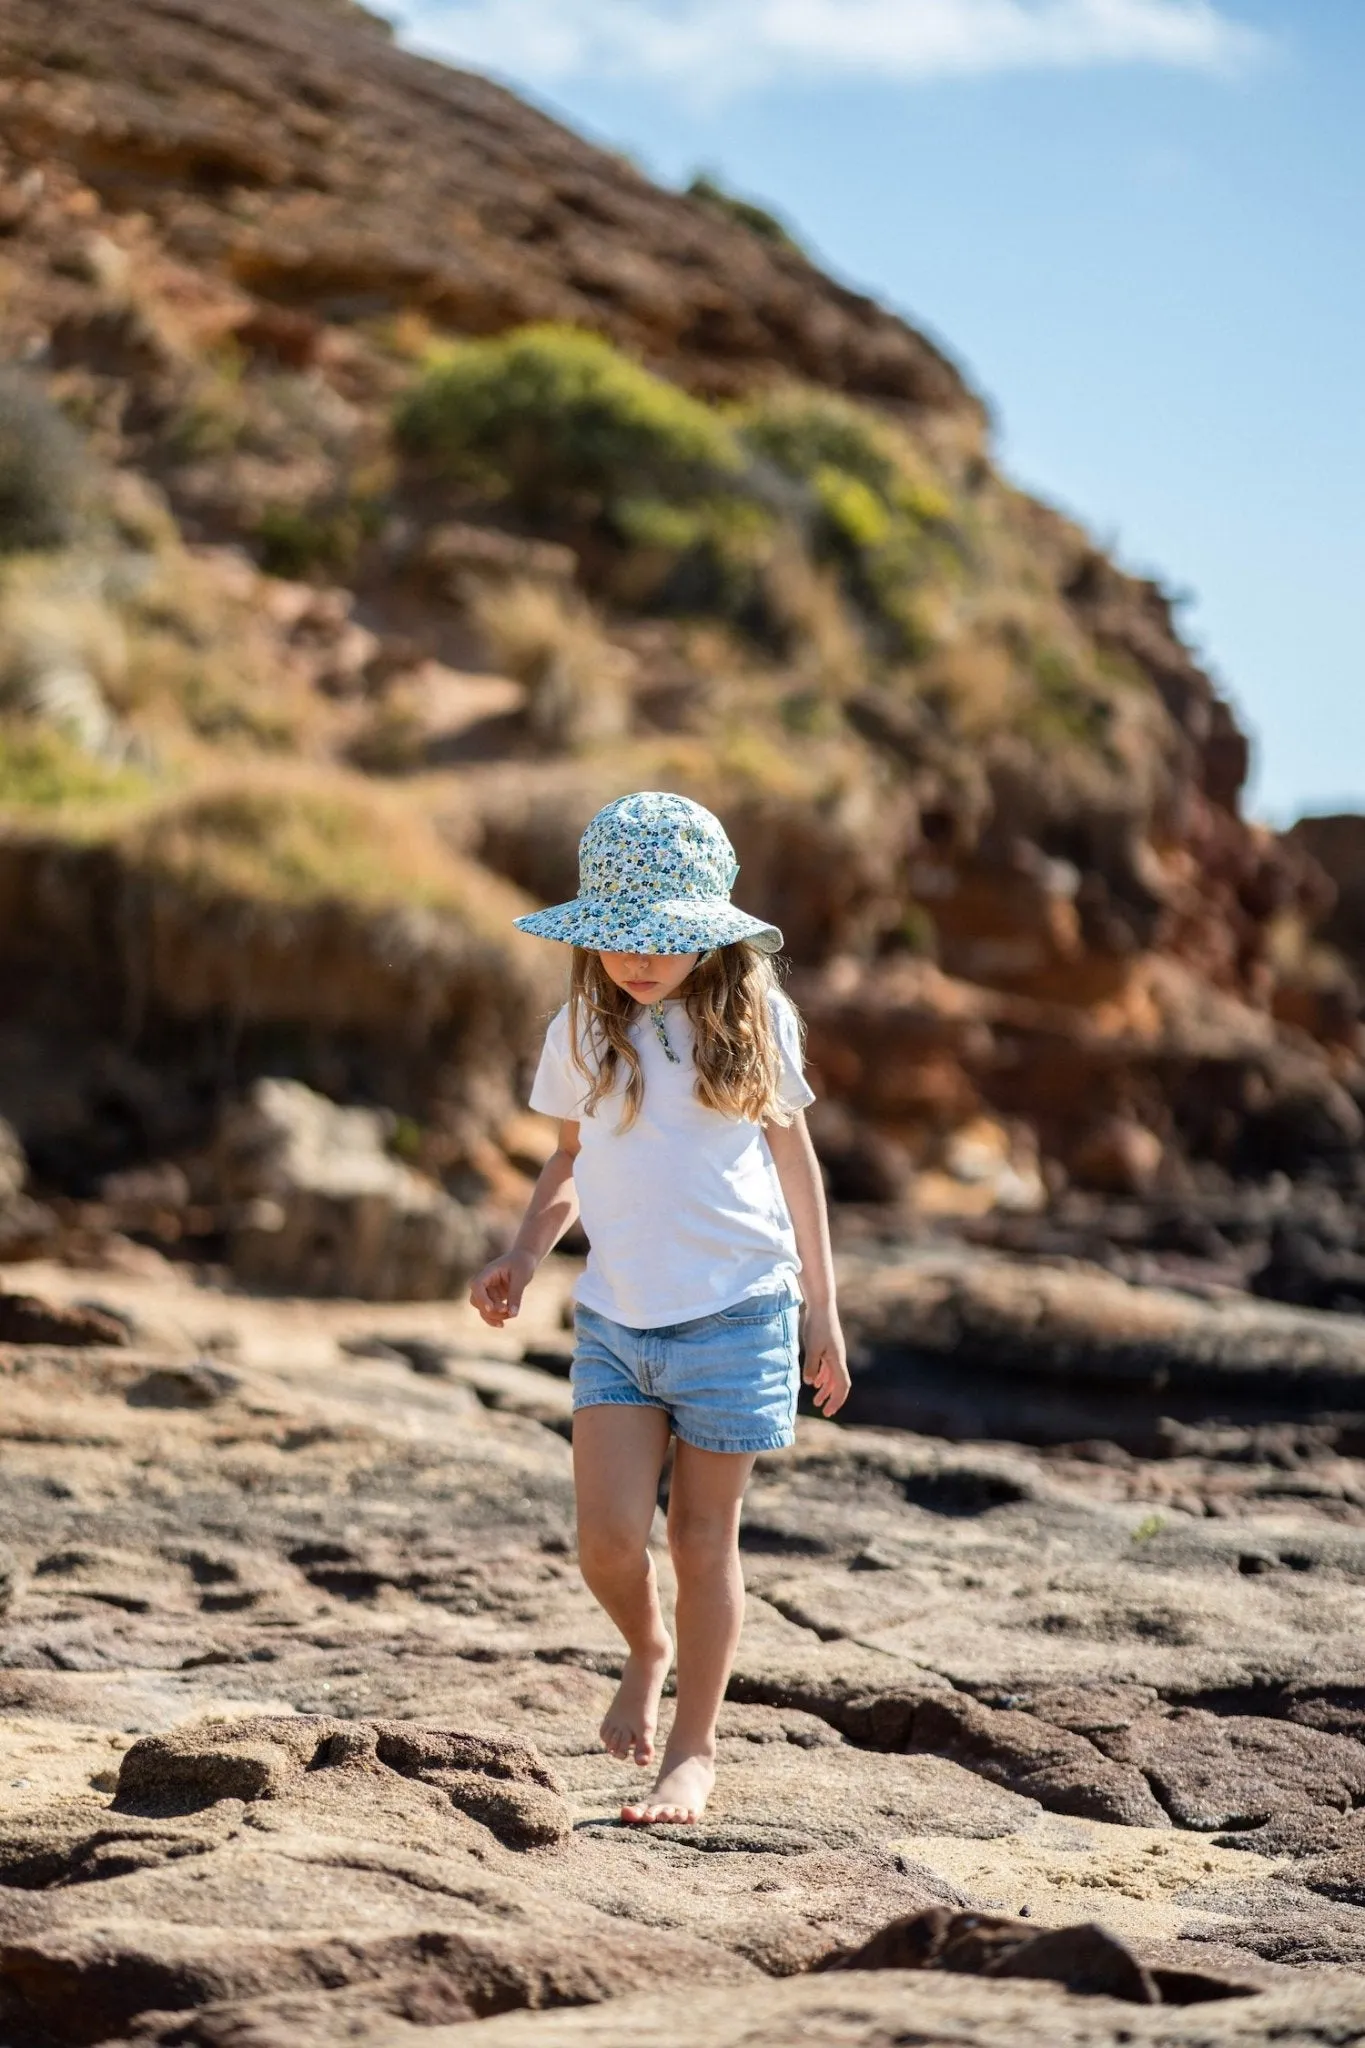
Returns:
(491,1295)
(831,1383)
(829,1377)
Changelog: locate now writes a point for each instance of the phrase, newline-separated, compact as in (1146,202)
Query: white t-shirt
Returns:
(683,1211)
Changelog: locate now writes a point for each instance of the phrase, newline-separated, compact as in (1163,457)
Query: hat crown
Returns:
(657,847)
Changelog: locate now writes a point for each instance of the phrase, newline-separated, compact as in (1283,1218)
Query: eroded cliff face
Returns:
(303,702)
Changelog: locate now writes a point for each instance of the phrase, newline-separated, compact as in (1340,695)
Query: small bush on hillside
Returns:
(872,511)
(802,432)
(562,423)
(743,212)
(42,469)
(702,561)
(43,769)
(297,540)
(213,422)
(1068,704)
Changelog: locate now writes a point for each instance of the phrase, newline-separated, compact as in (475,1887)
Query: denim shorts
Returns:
(727,1382)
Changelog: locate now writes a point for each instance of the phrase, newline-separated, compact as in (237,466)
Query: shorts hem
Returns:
(736,1447)
(618,1401)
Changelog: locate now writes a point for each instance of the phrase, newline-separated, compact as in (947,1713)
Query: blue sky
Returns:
(1136,223)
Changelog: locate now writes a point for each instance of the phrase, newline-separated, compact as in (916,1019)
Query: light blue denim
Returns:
(727,1382)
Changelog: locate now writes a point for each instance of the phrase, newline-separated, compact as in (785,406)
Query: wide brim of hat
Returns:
(685,924)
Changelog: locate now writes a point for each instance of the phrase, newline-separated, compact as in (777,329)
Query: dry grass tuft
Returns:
(62,648)
(828,651)
(43,770)
(302,839)
(201,658)
(577,682)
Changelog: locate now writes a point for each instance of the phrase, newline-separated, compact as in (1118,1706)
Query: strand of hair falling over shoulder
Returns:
(728,999)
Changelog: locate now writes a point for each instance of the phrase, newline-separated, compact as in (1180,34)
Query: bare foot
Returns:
(628,1728)
(680,1792)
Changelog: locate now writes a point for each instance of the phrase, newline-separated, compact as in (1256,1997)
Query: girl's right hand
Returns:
(496,1292)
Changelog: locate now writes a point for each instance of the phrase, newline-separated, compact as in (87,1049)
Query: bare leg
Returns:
(703,1535)
(618,1454)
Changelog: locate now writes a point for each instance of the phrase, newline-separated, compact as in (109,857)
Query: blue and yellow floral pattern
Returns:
(655,873)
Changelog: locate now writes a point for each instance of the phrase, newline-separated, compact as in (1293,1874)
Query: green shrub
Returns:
(802,432)
(872,512)
(655,525)
(44,769)
(295,540)
(855,519)
(42,469)
(916,933)
(744,212)
(560,422)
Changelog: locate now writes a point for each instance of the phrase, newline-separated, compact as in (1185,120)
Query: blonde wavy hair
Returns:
(727,998)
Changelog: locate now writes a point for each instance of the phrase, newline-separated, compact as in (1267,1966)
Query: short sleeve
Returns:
(794,1091)
(558,1087)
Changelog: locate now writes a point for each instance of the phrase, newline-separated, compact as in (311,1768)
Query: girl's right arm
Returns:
(496,1291)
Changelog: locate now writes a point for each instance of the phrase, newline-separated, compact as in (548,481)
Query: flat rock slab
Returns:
(965,1343)
(894,2009)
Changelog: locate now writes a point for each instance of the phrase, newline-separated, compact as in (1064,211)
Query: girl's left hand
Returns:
(826,1366)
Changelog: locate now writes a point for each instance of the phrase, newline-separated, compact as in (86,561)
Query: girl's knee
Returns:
(700,1543)
(607,1552)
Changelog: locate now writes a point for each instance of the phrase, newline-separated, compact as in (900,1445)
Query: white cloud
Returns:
(720,47)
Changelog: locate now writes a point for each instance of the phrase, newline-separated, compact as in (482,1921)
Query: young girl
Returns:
(674,1070)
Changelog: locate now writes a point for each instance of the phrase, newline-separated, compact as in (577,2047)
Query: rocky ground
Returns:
(298,1686)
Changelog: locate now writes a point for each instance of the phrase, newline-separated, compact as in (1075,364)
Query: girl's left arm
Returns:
(798,1171)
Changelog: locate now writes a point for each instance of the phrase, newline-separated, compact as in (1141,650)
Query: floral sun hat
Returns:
(654,876)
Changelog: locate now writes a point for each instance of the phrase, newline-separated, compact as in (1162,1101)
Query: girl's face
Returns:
(649,977)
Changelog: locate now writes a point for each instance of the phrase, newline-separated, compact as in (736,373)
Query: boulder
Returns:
(1300,1269)
(26,1320)
(1084,1958)
(318,1206)
(963,1344)
(1118,1155)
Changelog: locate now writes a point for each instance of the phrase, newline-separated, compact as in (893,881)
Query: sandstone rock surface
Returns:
(298,1736)
(885,2010)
